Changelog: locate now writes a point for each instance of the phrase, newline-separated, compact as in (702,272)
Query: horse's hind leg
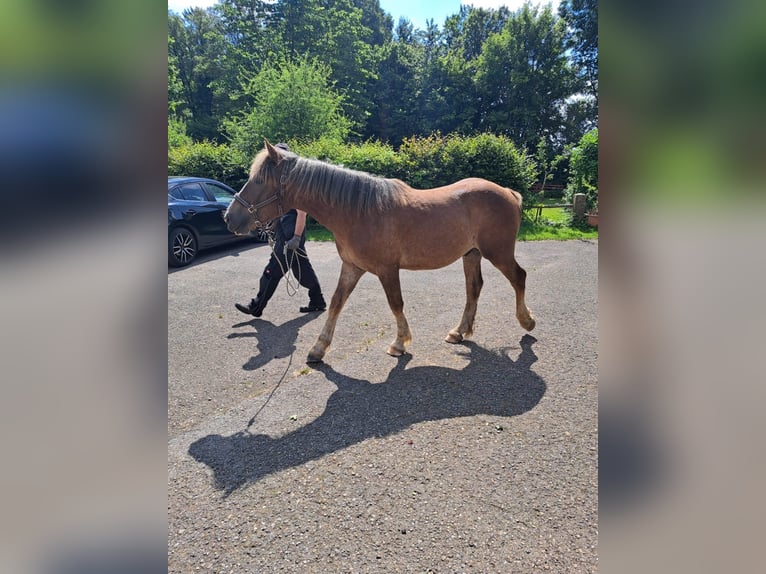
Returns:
(517,276)
(392,287)
(349,277)
(473,284)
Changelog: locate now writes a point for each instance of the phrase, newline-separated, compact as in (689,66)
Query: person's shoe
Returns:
(251,309)
(313,307)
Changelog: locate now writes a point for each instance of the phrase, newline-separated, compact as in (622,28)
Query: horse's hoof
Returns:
(528,324)
(314,357)
(395,351)
(454,337)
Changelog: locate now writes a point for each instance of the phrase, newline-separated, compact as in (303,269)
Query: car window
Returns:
(192,192)
(175,193)
(219,192)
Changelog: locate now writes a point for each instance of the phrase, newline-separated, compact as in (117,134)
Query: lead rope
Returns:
(271,394)
(292,281)
(297,278)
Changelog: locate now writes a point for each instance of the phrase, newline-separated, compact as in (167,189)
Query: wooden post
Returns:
(578,205)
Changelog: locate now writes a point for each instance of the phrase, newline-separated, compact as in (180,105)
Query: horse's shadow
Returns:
(273,341)
(491,384)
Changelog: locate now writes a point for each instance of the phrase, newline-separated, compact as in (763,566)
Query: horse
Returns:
(383,225)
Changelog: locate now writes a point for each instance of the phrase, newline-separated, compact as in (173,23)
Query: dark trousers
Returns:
(279,264)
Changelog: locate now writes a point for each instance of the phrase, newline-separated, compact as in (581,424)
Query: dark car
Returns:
(195,218)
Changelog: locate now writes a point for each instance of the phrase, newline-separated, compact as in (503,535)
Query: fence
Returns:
(557,189)
(577,206)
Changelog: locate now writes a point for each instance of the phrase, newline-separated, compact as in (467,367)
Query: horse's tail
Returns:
(516,194)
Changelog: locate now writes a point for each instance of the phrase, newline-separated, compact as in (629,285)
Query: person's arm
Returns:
(300,223)
(300,226)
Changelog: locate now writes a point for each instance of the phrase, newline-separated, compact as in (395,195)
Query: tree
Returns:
(466,31)
(583,169)
(527,74)
(197,47)
(393,115)
(523,77)
(379,22)
(333,32)
(291,100)
(253,40)
(175,87)
(581,17)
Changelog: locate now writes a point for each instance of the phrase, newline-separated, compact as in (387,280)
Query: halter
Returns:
(252,208)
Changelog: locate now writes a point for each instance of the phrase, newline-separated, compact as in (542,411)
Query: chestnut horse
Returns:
(383,225)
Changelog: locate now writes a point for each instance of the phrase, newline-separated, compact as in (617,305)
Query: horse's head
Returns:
(260,199)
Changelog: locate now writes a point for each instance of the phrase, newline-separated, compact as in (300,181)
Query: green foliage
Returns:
(438,160)
(373,157)
(292,100)
(583,169)
(581,17)
(175,87)
(196,43)
(394,117)
(177,133)
(547,230)
(486,70)
(523,77)
(425,162)
(208,159)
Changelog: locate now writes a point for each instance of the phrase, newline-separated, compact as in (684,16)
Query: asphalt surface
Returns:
(476,457)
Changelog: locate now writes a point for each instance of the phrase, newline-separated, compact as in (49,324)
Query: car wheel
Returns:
(182,247)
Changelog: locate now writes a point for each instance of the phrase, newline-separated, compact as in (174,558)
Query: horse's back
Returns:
(431,228)
(475,198)
(492,214)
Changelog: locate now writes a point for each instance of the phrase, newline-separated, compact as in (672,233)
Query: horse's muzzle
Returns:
(236,225)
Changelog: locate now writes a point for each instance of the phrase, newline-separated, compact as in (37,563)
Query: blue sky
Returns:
(418,11)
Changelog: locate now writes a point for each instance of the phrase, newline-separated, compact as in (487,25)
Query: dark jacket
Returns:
(287,224)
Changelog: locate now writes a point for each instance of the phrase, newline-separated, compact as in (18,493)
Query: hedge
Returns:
(208,159)
(422,162)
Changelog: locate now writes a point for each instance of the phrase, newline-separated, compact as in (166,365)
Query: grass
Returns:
(315,232)
(537,231)
(554,223)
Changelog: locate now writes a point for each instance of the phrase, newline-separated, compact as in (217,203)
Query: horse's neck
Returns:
(328,216)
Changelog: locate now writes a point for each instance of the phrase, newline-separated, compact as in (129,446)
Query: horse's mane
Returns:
(334,185)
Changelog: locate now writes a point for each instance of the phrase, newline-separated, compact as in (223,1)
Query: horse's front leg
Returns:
(349,277)
(390,281)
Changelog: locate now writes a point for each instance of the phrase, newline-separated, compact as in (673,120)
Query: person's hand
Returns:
(293,243)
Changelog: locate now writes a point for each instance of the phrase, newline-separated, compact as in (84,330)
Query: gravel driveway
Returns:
(477,457)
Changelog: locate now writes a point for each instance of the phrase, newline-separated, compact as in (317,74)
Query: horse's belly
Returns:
(426,265)
(434,256)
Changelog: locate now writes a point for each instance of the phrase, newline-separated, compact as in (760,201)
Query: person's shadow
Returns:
(273,341)
(491,384)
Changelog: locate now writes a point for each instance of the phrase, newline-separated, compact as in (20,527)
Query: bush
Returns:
(177,133)
(290,100)
(372,157)
(207,159)
(438,160)
(583,169)
(423,162)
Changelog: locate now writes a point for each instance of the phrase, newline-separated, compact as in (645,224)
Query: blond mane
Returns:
(334,185)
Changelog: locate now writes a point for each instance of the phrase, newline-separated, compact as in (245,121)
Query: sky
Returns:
(418,11)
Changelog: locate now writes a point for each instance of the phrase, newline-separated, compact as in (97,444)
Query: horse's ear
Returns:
(273,152)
